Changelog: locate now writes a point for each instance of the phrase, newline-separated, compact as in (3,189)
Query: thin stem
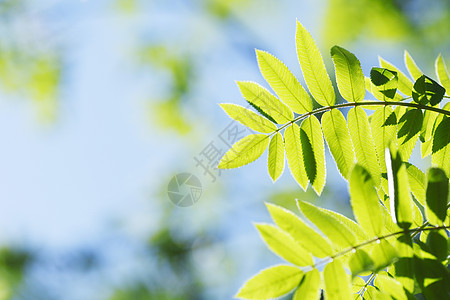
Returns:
(364,103)
(376,239)
(366,284)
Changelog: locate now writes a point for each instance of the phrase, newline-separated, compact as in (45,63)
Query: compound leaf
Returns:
(426,90)
(386,81)
(404,83)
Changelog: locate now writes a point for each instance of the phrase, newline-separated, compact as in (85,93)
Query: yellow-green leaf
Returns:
(313,68)
(248,118)
(282,244)
(271,283)
(311,132)
(384,132)
(294,154)
(276,156)
(307,237)
(413,69)
(338,139)
(309,286)
(266,103)
(360,132)
(349,75)
(404,83)
(283,82)
(442,74)
(244,151)
(337,282)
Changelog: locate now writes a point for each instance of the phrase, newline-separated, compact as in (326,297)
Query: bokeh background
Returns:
(103,102)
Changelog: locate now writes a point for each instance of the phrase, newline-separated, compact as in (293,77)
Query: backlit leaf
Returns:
(313,68)
(417,182)
(338,139)
(334,229)
(294,154)
(271,283)
(364,200)
(307,237)
(404,83)
(391,287)
(309,286)
(440,156)
(313,152)
(436,196)
(266,103)
(282,244)
(360,262)
(442,73)
(244,151)
(383,131)
(283,82)
(362,139)
(337,282)
(413,69)
(386,81)
(276,156)
(248,118)
(349,75)
(426,90)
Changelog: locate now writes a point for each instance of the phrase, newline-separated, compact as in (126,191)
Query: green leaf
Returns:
(360,262)
(404,83)
(413,69)
(441,146)
(309,286)
(355,228)
(403,268)
(386,81)
(442,73)
(266,103)
(432,277)
(364,200)
(436,196)
(409,125)
(391,287)
(276,156)
(294,154)
(313,152)
(244,151)
(282,244)
(373,294)
(401,205)
(283,82)
(426,90)
(337,282)
(429,118)
(271,283)
(383,254)
(417,182)
(338,139)
(357,285)
(407,147)
(248,118)
(349,75)
(371,88)
(334,229)
(313,68)
(437,243)
(360,132)
(307,237)
(383,132)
